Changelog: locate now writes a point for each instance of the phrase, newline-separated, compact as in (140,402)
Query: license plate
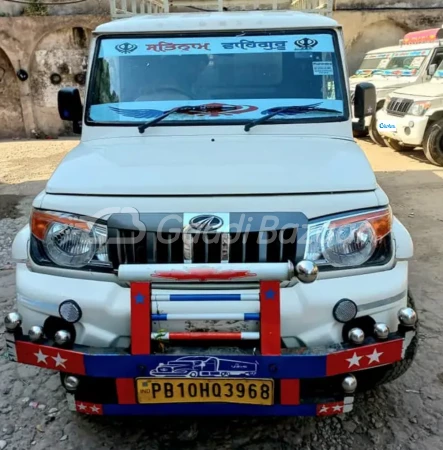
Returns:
(253,392)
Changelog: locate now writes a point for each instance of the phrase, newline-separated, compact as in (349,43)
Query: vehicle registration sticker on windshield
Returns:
(253,392)
(322,68)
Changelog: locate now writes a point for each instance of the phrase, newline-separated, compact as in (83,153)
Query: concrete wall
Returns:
(11,118)
(62,53)
(381,4)
(48,45)
(368,30)
(41,46)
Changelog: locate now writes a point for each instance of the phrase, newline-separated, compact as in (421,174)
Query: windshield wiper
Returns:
(288,111)
(186,109)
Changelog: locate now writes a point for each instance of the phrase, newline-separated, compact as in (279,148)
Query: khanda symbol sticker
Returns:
(126,48)
(306,43)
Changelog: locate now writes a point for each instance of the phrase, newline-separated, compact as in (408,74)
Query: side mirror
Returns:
(70,107)
(365,103)
(432,69)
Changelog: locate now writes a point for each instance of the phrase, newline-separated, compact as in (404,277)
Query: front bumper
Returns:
(308,381)
(106,306)
(405,133)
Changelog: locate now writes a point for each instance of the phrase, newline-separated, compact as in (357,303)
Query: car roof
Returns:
(214,21)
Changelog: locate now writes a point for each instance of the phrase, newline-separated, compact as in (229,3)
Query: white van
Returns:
(216,220)
(412,62)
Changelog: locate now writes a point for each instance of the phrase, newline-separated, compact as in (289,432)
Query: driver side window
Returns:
(436,59)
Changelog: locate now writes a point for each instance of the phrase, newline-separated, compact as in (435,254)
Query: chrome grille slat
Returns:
(262,246)
(152,245)
(168,246)
(399,106)
(224,250)
(280,238)
(205,240)
(170,249)
(244,239)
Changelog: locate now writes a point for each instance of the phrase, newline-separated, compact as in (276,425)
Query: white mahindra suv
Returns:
(413,117)
(217,243)
(412,62)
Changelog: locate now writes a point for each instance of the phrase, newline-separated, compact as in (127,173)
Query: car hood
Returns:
(225,165)
(381,82)
(431,89)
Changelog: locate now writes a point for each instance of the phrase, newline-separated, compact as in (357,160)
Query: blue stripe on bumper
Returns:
(127,366)
(214,409)
(204,297)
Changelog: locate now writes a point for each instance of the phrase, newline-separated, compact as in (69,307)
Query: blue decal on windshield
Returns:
(126,48)
(137,113)
(306,43)
(210,109)
(163,46)
(216,45)
(244,44)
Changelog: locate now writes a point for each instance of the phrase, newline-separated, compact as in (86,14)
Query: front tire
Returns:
(372,378)
(433,143)
(374,134)
(395,145)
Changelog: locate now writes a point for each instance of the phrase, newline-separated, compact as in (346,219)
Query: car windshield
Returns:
(374,61)
(406,63)
(402,63)
(226,79)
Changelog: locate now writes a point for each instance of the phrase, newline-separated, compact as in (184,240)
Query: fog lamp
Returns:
(407,131)
(411,124)
(344,311)
(70,311)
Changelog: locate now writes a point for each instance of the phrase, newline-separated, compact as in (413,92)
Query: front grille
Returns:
(399,106)
(166,246)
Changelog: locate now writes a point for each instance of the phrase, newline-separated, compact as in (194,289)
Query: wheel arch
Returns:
(435,116)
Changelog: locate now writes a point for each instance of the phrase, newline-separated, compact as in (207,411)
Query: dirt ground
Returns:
(406,414)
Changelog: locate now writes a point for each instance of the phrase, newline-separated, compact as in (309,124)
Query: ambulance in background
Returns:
(413,61)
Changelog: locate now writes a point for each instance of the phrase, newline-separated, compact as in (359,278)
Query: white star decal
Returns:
(81,407)
(337,408)
(41,357)
(324,409)
(370,110)
(94,409)
(375,357)
(355,360)
(59,361)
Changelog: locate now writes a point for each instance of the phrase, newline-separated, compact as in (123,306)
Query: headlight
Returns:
(69,240)
(347,241)
(419,108)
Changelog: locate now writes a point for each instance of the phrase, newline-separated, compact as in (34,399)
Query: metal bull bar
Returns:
(206,272)
(268,275)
